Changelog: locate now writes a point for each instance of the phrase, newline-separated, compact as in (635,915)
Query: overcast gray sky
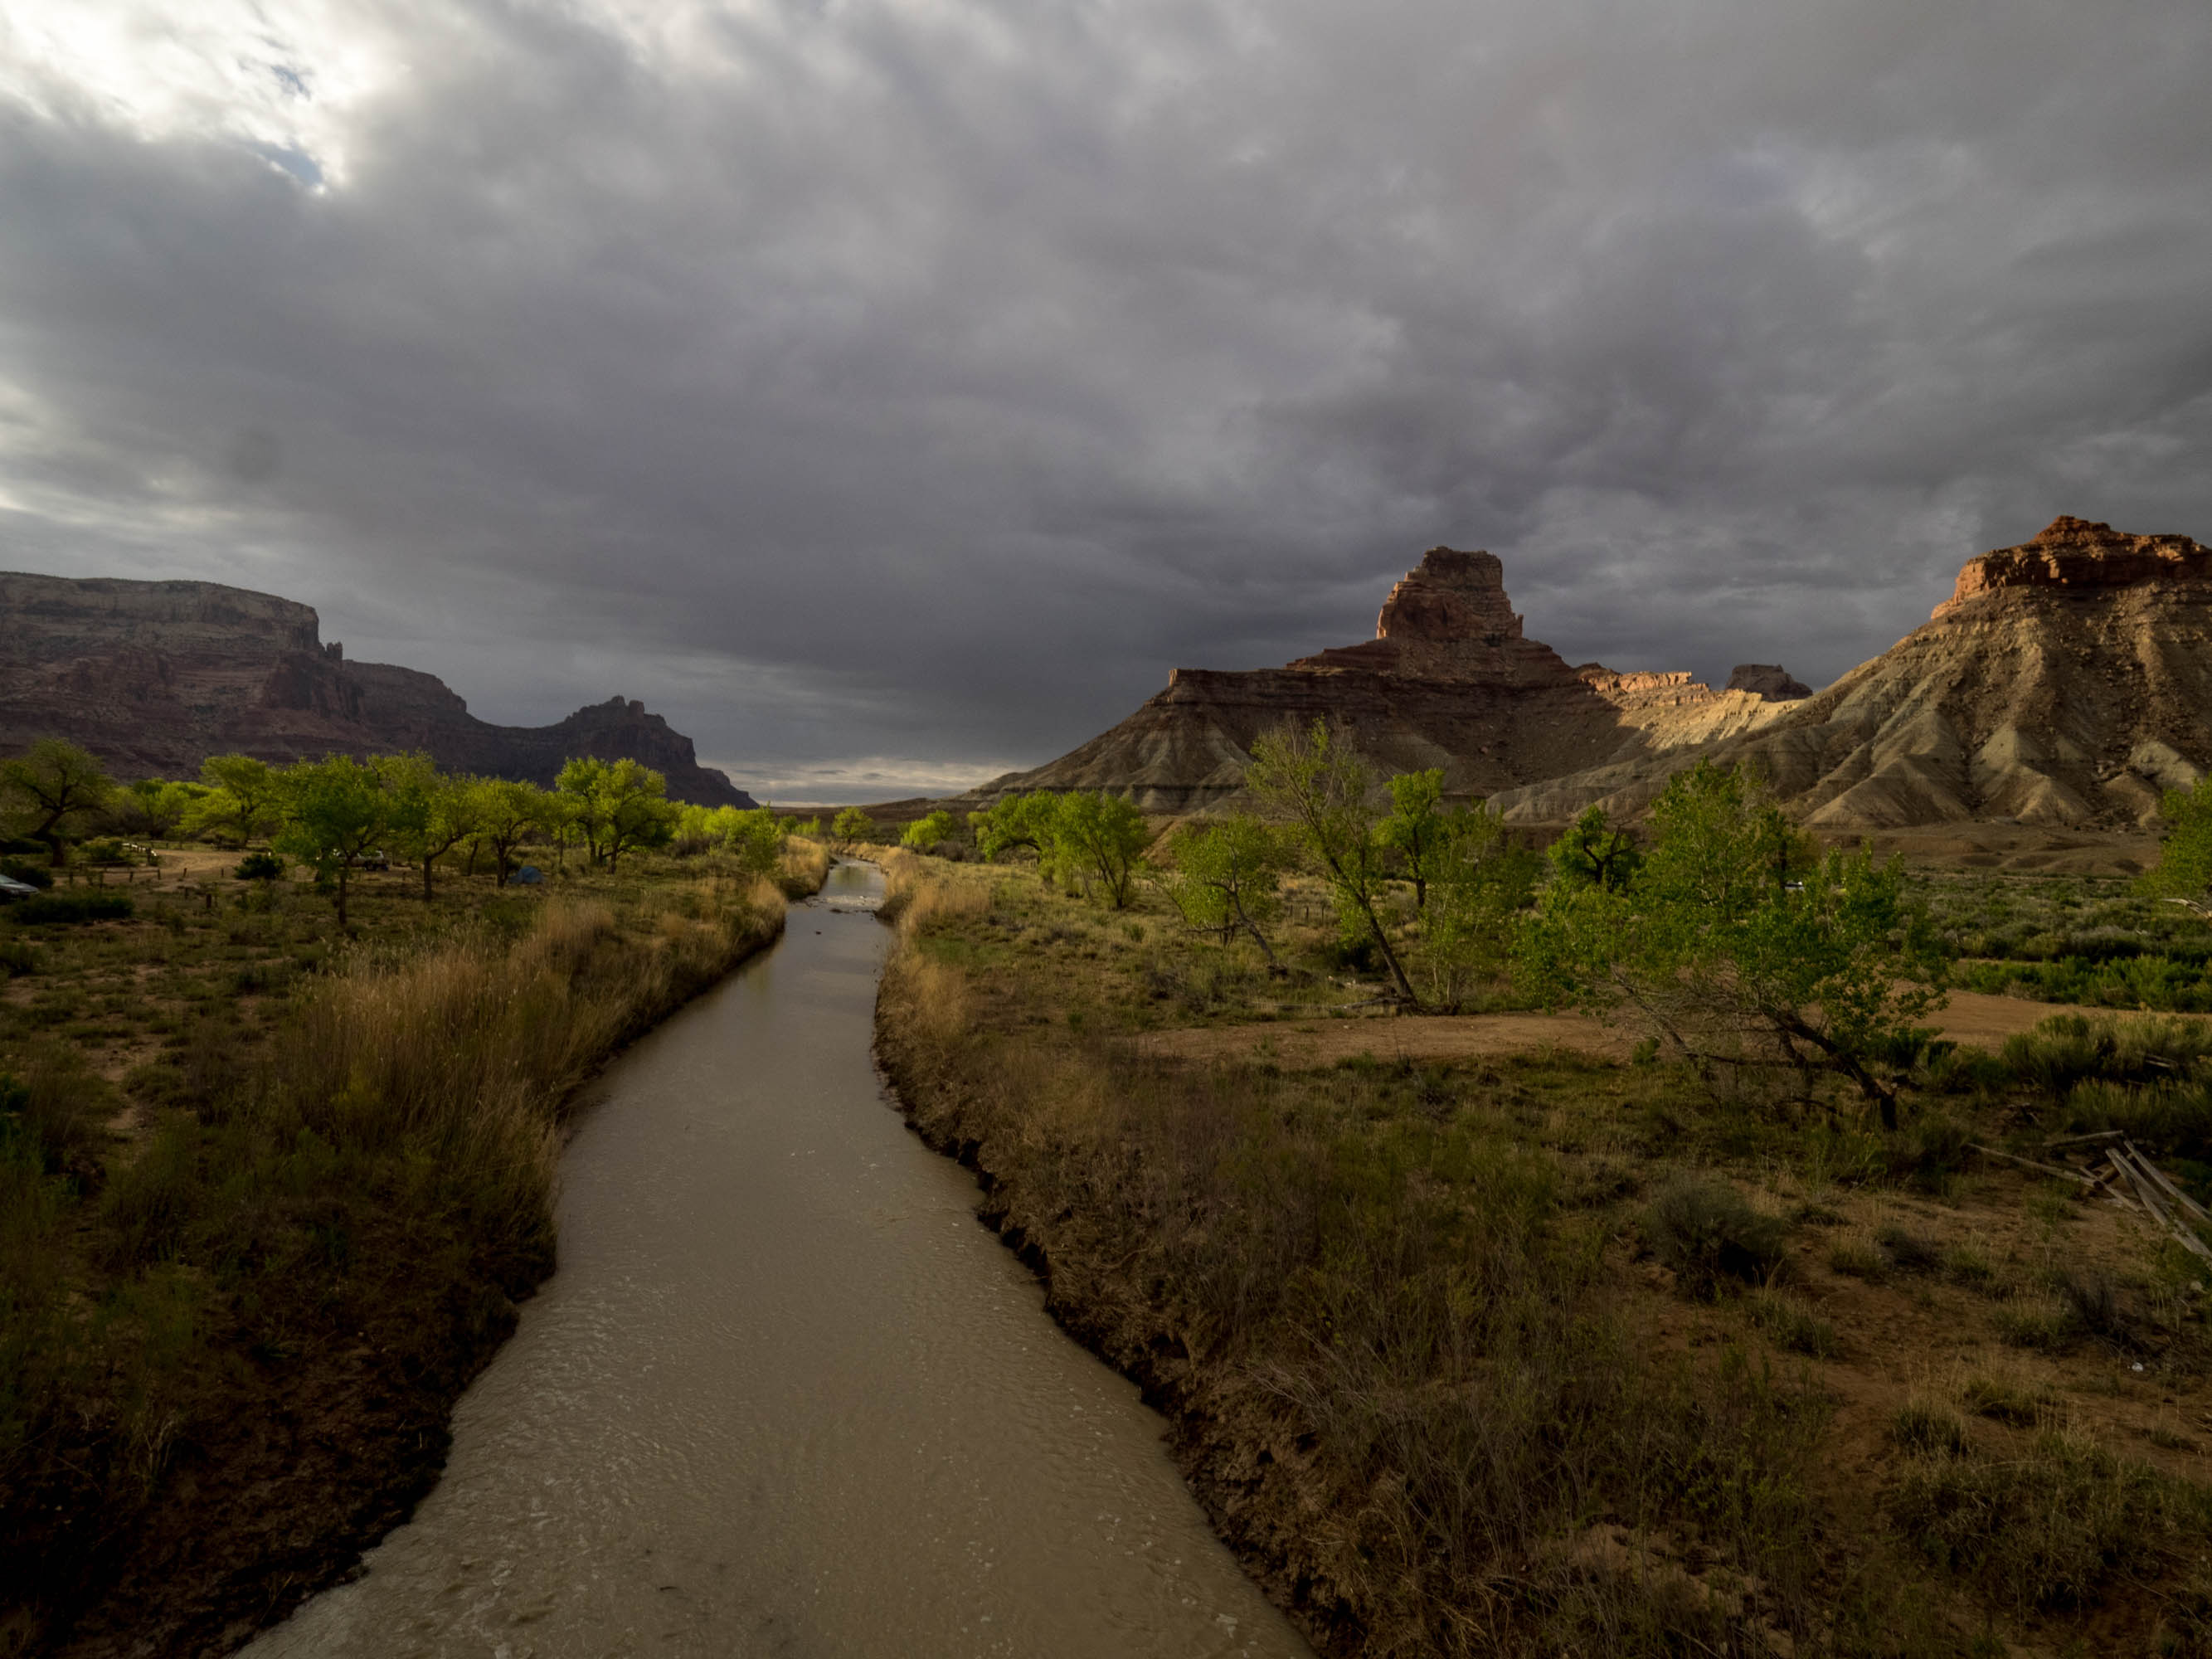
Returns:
(890,392)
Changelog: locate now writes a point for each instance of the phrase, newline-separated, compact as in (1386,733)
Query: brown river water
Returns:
(784,1397)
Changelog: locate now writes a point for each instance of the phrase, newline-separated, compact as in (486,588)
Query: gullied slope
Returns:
(153,677)
(2066,682)
(1449,680)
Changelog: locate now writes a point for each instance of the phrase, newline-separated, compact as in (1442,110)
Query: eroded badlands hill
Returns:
(1450,680)
(154,677)
(2066,682)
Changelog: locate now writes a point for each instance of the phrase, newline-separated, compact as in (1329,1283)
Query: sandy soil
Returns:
(1972,1017)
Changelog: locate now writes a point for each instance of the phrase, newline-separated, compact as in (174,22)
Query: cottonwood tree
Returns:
(579,787)
(1725,955)
(1312,776)
(1418,829)
(2183,871)
(1223,877)
(1102,836)
(429,812)
(636,810)
(853,825)
(1594,850)
(244,799)
(1478,882)
(52,790)
(157,806)
(925,832)
(507,812)
(334,811)
(1014,822)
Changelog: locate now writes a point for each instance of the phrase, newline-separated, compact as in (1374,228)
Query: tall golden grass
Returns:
(805,866)
(384,1162)
(1405,1300)
(922,892)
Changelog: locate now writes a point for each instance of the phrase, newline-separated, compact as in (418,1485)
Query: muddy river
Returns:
(784,1397)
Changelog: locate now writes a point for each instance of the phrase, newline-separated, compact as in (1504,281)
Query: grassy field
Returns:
(1561,1352)
(2075,939)
(268,1194)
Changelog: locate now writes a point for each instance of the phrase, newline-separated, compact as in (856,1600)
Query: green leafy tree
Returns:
(618,805)
(1103,837)
(853,825)
(756,839)
(2183,871)
(507,812)
(1224,876)
(244,799)
(429,812)
(1478,882)
(1014,822)
(636,812)
(1716,946)
(1594,850)
(1311,776)
(581,785)
(52,791)
(157,805)
(1418,829)
(925,832)
(334,811)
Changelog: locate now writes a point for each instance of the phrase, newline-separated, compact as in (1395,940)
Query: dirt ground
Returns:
(1970,1018)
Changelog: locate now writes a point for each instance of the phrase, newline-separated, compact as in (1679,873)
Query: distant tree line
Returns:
(334,815)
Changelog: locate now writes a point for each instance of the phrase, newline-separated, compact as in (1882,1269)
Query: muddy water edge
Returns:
(784,1397)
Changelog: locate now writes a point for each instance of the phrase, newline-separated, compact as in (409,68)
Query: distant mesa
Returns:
(2066,682)
(1449,680)
(1769,680)
(154,677)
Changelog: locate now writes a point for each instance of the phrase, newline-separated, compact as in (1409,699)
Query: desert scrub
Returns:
(2044,1526)
(1707,1232)
(335,1222)
(1434,1393)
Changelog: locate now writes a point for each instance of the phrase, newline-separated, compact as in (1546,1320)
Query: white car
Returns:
(11,890)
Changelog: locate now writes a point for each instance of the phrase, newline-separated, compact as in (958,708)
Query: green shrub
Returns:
(1927,1430)
(1706,1233)
(259,867)
(71,905)
(2046,1529)
(1791,1325)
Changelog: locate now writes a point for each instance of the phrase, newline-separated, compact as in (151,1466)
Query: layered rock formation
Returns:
(1768,680)
(2066,682)
(154,677)
(1449,680)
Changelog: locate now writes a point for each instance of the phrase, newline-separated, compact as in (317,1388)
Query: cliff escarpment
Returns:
(153,677)
(2066,684)
(1449,680)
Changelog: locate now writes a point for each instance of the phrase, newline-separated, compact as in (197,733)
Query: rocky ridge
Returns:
(2066,684)
(154,677)
(1449,680)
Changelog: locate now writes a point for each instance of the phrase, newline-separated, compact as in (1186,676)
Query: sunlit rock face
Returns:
(2066,684)
(154,677)
(2080,554)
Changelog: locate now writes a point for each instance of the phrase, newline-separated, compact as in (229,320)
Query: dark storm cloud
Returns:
(892,392)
